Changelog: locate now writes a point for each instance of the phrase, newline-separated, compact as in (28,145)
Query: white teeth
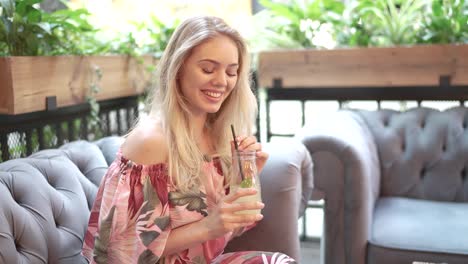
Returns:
(212,94)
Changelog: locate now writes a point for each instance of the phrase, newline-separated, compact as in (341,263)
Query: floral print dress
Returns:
(135,210)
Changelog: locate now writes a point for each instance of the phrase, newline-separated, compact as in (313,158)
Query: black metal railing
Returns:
(444,91)
(24,134)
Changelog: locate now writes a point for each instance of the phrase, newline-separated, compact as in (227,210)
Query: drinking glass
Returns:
(245,176)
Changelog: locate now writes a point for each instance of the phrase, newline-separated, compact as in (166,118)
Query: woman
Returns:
(166,199)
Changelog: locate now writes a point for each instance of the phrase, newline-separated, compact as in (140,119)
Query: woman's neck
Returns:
(198,125)
(202,134)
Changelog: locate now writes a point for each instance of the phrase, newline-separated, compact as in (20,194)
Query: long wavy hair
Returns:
(170,108)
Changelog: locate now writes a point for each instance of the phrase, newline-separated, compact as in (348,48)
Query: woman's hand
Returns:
(223,219)
(250,143)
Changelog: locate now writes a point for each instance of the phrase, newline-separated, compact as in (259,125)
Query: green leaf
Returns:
(46,27)
(25,6)
(446,22)
(5,26)
(34,16)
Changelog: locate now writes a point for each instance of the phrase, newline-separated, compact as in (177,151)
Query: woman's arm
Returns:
(146,145)
(220,220)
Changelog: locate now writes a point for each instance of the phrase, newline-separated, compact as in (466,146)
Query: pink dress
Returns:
(136,209)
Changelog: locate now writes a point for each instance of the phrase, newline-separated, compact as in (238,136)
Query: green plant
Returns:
(146,38)
(26,30)
(297,22)
(158,35)
(264,37)
(350,30)
(446,21)
(391,22)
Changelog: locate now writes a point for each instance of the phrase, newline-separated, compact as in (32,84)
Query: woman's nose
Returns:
(220,79)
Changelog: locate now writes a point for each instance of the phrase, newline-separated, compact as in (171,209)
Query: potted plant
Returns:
(55,57)
(374,43)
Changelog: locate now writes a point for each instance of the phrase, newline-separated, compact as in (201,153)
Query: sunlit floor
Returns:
(313,221)
(310,253)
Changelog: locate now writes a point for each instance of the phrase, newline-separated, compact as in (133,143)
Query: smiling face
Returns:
(209,74)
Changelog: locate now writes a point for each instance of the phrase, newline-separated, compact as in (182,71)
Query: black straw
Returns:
(237,148)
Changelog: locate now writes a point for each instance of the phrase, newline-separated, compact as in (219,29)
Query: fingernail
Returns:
(261,204)
(259,217)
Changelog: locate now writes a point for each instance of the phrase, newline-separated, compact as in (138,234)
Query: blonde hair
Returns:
(168,105)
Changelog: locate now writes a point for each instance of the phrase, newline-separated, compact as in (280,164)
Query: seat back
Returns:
(423,152)
(45,201)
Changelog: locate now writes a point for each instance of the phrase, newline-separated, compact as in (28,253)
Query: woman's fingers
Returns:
(249,143)
(239,193)
(227,215)
(243,218)
(232,208)
(262,158)
(236,207)
(262,155)
(233,214)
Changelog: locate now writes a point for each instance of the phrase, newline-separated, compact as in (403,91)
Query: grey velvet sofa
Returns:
(45,201)
(394,183)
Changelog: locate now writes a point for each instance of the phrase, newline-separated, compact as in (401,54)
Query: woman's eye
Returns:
(205,70)
(232,74)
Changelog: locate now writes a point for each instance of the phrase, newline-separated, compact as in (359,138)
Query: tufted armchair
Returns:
(45,201)
(394,183)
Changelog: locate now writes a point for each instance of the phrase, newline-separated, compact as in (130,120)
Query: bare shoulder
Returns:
(146,144)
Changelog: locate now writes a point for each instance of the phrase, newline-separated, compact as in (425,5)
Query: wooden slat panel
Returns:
(373,67)
(138,75)
(6,88)
(460,58)
(68,78)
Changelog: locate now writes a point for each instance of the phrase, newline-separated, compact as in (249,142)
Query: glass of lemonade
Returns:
(245,176)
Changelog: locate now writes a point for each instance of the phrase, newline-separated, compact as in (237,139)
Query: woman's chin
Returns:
(213,110)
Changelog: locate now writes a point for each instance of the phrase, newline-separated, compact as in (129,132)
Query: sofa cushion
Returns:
(88,158)
(423,152)
(44,209)
(427,228)
(383,255)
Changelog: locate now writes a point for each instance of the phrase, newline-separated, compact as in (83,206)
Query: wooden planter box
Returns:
(365,67)
(26,82)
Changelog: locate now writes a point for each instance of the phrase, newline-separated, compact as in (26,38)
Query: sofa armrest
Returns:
(286,183)
(44,209)
(347,172)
